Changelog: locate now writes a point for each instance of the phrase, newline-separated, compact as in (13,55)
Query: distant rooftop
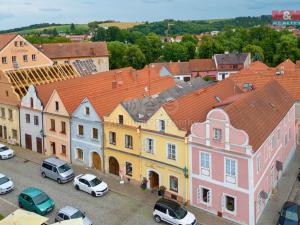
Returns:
(231,58)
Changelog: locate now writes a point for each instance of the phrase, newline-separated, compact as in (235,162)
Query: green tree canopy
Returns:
(257,53)
(135,57)
(117,51)
(174,52)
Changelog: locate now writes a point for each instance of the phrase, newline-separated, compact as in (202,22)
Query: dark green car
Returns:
(35,200)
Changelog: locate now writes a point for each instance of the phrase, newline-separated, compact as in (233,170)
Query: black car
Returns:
(290,214)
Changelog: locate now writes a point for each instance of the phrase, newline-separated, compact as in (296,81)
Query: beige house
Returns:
(86,57)
(17,53)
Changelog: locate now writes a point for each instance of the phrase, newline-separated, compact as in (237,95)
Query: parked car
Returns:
(172,213)
(35,200)
(6,185)
(69,212)
(90,184)
(5,152)
(289,214)
(57,169)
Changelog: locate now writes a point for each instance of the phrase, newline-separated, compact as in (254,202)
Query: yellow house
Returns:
(122,146)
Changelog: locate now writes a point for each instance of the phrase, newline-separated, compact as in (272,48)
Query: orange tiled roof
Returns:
(298,64)
(74,49)
(202,65)
(175,68)
(287,65)
(258,65)
(5,39)
(259,112)
(106,89)
(194,107)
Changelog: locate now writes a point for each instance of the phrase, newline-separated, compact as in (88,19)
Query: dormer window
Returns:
(56,106)
(217,134)
(87,111)
(121,119)
(161,125)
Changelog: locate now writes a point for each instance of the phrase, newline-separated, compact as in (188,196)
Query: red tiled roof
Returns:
(202,65)
(258,65)
(287,65)
(259,112)
(106,89)
(194,107)
(298,64)
(175,68)
(5,39)
(73,49)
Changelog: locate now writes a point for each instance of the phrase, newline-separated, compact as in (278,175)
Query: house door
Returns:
(28,141)
(154,180)
(39,145)
(114,167)
(96,161)
(4,132)
(53,148)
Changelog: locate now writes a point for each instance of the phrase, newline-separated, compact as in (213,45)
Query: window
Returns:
(25,58)
(204,195)
(129,169)
(52,124)
(10,114)
(229,203)
(14,134)
(285,139)
(161,125)
(95,133)
(160,208)
(36,120)
(6,93)
(63,127)
(128,141)
(33,57)
(205,163)
(63,150)
(14,58)
(273,142)
(79,154)
(149,145)
(4,60)
(31,102)
(171,148)
(121,119)
(230,171)
(217,134)
(3,112)
(80,130)
(56,106)
(27,118)
(112,138)
(16,44)
(278,134)
(87,111)
(21,43)
(173,183)
(258,164)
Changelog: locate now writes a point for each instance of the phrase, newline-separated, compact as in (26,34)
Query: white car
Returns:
(90,184)
(5,152)
(6,185)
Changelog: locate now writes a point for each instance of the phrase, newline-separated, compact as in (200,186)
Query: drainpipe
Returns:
(70,133)
(19,125)
(102,146)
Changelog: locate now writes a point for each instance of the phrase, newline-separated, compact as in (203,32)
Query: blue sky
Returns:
(16,13)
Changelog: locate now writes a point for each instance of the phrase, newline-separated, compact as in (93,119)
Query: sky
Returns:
(18,13)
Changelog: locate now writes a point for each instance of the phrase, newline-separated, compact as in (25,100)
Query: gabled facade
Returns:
(239,153)
(57,128)
(31,121)
(87,136)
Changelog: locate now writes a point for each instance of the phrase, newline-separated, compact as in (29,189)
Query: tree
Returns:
(114,34)
(151,47)
(72,28)
(189,38)
(117,51)
(174,52)
(93,25)
(190,48)
(287,48)
(208,47)
(99,34)
(257,53)
(134,57)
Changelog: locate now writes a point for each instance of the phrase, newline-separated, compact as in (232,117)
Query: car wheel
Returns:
(157,219)
(93,194)
(77,187)
(59,181)
(43,175)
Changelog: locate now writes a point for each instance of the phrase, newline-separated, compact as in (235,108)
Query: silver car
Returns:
(57,169)
(69,212)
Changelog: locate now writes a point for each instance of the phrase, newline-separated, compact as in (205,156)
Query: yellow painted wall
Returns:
(119,151)
(19,51)
(10,124)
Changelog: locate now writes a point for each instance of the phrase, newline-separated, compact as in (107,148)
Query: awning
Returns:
(22,217)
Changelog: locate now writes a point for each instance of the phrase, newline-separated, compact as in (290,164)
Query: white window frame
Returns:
(80,135)
(229,178)
(77,154)
(146,145)
(177,183)
(217,136)
(92,133)
(224,204)
(200,196)
(131,168)
(204,171)
(167,148)
(86,111)
(160,126)
(110,137)
(127,141)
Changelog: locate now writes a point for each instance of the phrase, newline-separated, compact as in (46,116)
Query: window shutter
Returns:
(223,202)
(208,197)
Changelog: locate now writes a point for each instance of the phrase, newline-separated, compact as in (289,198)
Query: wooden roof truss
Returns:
(23,78)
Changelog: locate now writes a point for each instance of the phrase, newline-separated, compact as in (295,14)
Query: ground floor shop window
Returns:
(129,169)
(230,203)
(204,195)
(174,183)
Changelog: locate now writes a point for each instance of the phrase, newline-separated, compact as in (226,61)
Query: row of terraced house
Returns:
(221,147)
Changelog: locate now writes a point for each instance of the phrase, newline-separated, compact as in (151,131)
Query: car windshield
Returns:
(41,198)
(63,168)
(95,182)
(290,215)
(4,148)
(3,180)
(180,212)
(78,214)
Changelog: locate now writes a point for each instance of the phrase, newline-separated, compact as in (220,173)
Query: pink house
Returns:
(238,154)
